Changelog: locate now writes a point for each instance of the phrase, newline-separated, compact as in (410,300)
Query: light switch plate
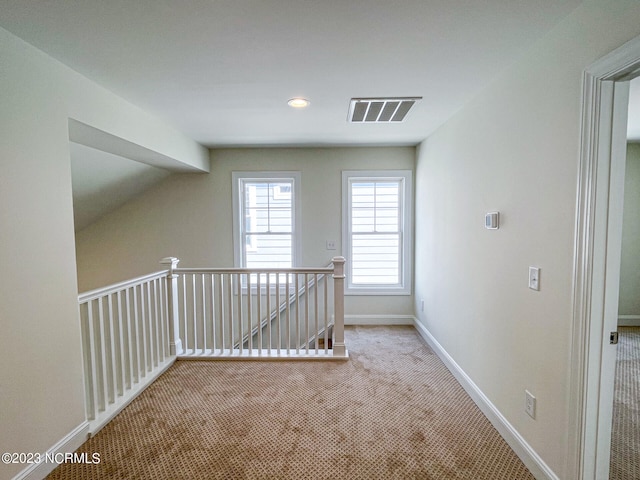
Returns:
(331,244)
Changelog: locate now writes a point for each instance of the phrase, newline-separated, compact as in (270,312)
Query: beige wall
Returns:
(189,216)
(514,149)
(629,302)
(41,387)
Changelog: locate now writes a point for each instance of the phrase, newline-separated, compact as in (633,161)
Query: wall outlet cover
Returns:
(530,404)
(534,278)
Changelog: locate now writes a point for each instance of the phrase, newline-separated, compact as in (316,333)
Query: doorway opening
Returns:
(625,437)
(598,242)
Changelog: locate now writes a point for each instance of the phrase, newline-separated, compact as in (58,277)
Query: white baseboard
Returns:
(527,454)
(629,320)
(379,319)
(68,444)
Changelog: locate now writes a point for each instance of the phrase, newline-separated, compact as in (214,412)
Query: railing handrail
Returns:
(283,270)
(116,287)
(113,288)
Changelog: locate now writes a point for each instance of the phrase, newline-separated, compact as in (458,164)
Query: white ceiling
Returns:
(222,70)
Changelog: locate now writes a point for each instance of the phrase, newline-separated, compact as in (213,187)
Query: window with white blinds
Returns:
(377,231)
(265,211)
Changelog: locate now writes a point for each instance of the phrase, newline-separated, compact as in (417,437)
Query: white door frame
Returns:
(598,238)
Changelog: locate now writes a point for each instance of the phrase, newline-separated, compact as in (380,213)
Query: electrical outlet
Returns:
(530,404)
(534,278)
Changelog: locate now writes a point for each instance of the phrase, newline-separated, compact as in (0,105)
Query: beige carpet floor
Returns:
(625,436)
(392,411)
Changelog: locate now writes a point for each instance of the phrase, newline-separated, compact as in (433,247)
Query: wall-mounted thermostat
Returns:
(492,220)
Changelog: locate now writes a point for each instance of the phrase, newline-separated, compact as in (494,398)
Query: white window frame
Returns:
(403,287)
(238,222)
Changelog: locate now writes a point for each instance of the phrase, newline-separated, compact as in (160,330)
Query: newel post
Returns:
(339,348)
(175,344)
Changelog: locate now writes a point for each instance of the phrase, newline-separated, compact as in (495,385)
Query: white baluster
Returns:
(259,309)
(214,317)
(130,349)
(297,294)
(194,320)
(240,328)
(143,338)
(91,355)
(288,312)
(249,315)
(103,357)
(149,322)
(278,319)
(223,311)
(112,354)
(230,311)
(204,317)
(326,315)
(155,330)
(164,317)
(136,318)
(315,311)
(269,313)
(185,334)
(122,370)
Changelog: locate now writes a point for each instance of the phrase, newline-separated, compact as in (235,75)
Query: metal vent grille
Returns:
(380,110)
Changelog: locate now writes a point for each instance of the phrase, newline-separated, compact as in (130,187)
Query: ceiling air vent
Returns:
(380,110)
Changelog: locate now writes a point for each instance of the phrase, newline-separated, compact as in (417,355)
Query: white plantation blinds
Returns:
(268,214)
(377,226)
(375,232)
(266,222)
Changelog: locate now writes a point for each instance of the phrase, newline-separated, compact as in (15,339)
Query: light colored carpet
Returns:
(392,411)
(625,437)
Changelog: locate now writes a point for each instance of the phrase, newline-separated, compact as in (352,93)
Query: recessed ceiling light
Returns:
(298,102)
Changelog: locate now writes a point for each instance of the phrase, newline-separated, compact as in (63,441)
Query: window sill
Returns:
(377,291)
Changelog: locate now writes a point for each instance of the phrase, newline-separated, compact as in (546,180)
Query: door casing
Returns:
(598,239)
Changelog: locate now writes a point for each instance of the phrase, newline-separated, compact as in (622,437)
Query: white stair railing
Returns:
(260,313)
(134,330)
(125,343)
